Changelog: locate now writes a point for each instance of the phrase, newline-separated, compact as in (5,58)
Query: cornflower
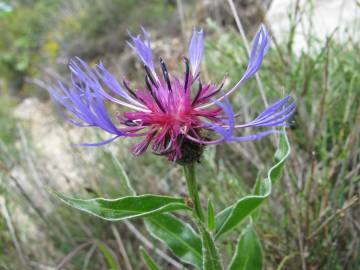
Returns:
(176,115)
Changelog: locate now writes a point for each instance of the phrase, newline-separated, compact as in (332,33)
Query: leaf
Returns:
(236,213)
(233,215)
(211,216)
(181,239)
(148,260)
(211,258)
(126,207)
(109,256)
(248,253)
(124,179)
(259,189)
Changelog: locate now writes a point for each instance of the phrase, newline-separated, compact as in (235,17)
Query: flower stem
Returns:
(189,171)
(211,258)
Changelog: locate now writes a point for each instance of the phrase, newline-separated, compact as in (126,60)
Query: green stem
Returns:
(211,259)
(189,171)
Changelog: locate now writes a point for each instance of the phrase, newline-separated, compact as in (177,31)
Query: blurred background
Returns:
(311,220)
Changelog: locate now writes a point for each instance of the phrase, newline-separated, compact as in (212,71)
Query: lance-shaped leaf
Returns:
(211,258)
(248,253)
(124,179)
(179,237)
(211,216)
(126,207)
(236,213)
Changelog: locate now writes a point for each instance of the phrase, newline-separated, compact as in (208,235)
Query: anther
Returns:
(165,73)
(197,94)
(187,73)
(153,94)
(129,89)
(166,151)
(215,91)
(130,123)
(148,86)
(148,73)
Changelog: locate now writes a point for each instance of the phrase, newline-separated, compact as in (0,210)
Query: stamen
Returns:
(148,73)
(166,151)
(130,123)
(195,78)
(129,89)
(165,73)
(153,94)
(148,86)
(198,93)
(132,92)
(187,73)
(214,92)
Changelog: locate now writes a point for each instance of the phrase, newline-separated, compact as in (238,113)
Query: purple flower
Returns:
(173,114)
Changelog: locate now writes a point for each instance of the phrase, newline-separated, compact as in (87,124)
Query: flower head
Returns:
(174,115)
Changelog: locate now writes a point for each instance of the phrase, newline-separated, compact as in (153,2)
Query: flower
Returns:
(177,116)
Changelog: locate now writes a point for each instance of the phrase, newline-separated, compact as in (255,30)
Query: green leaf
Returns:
(259,189)
(238,212)
(109,256)
(211,216)
(235,214)
(126,207)
(124,179)
(211,258)
(248,253)
(148,260)
(181,239)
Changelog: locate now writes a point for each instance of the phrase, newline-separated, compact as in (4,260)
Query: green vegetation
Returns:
(39,33)
(311,220)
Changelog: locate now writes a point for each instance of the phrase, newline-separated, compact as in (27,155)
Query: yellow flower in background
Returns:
(51,48)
